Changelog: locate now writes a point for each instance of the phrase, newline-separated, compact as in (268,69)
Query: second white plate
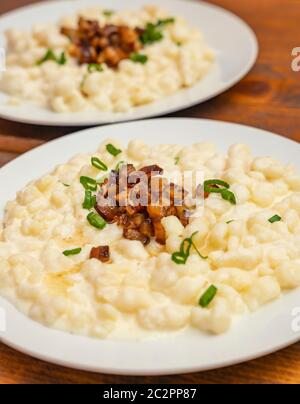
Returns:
(232,39)
(262,332)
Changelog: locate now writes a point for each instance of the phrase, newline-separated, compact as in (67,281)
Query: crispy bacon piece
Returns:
(183,215)
(101,253)
(132,234)
(146,228)
(141,222)
(134,176)
(156,214)
(110,44)
(137,227)
(150,170)
(109,213)
(132,210)
(159,231)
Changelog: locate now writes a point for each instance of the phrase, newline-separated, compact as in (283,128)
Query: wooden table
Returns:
(269,97)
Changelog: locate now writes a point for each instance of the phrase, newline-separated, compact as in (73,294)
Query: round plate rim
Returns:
(152,372)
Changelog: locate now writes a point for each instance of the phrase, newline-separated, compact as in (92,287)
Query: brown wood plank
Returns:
(18,145)
(269,97)
(5,157)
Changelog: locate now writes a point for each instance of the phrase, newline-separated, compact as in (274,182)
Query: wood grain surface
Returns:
(269,98)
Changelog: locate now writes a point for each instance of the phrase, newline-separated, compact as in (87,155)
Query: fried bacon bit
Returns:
(108,212)
(110,44)
(142,222)
(149,170)
(100,253)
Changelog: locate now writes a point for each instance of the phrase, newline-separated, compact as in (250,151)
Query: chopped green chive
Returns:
(180,257)
(89,200)
(62,60)
(193,244)
(228,196)
(275,218)
(217,182)
(66,185)
(50,55)
(98,164)
(96,220)
(95,67)
(152,32)
(177,159)
(213,186)
(208,296)
(167,21)
(112,150)
(230,221)
(88,183)
(139,58)
(76,251)
(108,13)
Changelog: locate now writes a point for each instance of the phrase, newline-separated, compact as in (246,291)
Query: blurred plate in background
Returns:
(234,42)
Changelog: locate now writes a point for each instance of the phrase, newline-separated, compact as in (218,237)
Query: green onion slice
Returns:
(180,257)
(62,60)
(96,220)
(89,200)
(151,35)
(166,21)
(113,150)
(228,196)
(108,13)
(95,67)
(76,251)
(50,55)
(208,296)
(221,183)
(139,58)
(88,183)
(193,244)
(177,159)
(275,218)
(98,164)
(152,32)
(220,187)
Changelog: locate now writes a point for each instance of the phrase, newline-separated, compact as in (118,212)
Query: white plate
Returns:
(255,335)
(234,42)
